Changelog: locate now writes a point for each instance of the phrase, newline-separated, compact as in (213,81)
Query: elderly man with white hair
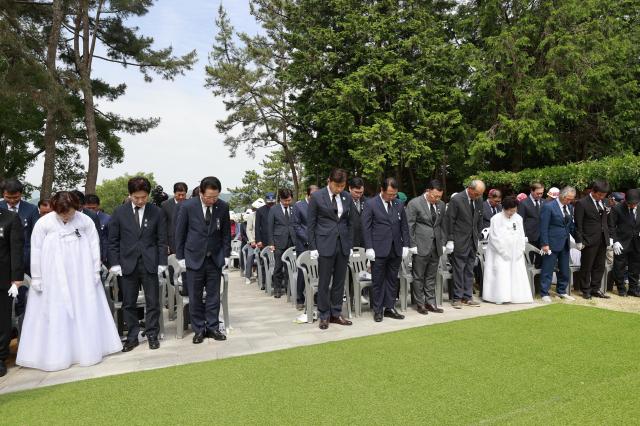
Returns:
(251,239)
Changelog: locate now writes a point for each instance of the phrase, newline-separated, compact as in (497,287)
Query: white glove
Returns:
(182,263)
(350,252)
(116,269)
(485,233)
(371,255)
(13,291)
(161,269)
(405,252)
(579,246)
(449,247)
(610,242)
(413,250)
(226,262)
(526,240)
(36,284)
(314,254)
(617,248)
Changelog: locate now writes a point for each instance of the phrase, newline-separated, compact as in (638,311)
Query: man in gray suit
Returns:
(282,235)
(170,207)
(425,218)
(356,189)
(330,235)
(464,227)
(302,244)
(491,207)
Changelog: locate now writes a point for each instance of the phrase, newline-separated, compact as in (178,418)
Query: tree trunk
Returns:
(294,172)
(52,103)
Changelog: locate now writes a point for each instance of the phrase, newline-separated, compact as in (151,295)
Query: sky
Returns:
(186,145)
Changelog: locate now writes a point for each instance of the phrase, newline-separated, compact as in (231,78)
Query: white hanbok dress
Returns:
(505,272)
(69,321)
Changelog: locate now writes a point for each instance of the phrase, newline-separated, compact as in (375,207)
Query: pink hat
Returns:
(521,196)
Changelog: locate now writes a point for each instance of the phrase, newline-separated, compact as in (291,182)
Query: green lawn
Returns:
(557,364)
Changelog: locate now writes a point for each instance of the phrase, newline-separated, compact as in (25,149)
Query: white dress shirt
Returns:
(338,201)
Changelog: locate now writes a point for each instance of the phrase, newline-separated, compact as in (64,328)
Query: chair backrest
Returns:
(529,251)
(405,266)
(236,245)
(443,264)
(357,262)
(177,270)
(289,258)
(266,259)
(309,266)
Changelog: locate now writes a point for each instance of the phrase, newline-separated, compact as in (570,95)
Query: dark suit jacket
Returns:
(382,230)
(487,214)
(11,249)
(530,219)
(281,230)
(324,227)
(127,241)
(356,223)
(29,215)
(262,227)
(194,238)
(461,228)
(300,226)
(623,229)
(425,230)
(554,232)
(591,227)
(170,207)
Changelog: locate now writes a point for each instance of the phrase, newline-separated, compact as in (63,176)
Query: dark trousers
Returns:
(130,286)
(384,281)
(278,269)
(6,304)
(592,266)
(548,265)
(424,270)
(300,284)
(330,293)
(463,263)
(629,258)
(248,263)
(204,314)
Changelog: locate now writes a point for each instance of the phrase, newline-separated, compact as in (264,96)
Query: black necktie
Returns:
(567,216)
(433,213)
(495,210)
(389,207)
(357,206)
(137,210)
(633,215)
(538,205)
(334,203)
(473,211)
(207,216)
(286,213)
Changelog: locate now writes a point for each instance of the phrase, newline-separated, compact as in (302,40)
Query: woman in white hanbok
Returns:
(505,272)
(67,320)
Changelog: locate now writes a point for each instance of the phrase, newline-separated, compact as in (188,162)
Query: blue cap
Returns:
(270,197)
(618,196)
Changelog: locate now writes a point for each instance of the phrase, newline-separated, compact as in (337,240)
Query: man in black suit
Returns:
(282,235)
(262,228)
(592,239)
(329,234)
(169,208)
(93,204)
(624,229)
(302,243)
(356,189)
(491,207)
(386,240)
(203,248)
(529,209)
(138,253)
(464,226)
(11,275)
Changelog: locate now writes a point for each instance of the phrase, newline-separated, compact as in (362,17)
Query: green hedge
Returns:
(621,172)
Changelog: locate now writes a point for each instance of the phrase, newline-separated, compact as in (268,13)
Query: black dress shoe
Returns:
(277,295)
(3,369)
(422,309)
(154,343)
(128,346)
(377,316)
(324,324)
(340,321)
(586,296)
(600,295)
(434,308)
(392,313)
(198,338)
(216,335)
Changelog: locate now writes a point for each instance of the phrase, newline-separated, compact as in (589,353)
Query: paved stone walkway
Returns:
(258,324)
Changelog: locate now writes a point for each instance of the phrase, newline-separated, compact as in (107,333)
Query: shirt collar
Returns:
(133,206)
(560,203)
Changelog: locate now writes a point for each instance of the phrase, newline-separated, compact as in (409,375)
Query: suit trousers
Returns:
(463,263)
(592,266)
(278,270)
(204,314)
(548,265)
(424,270)
(130,285)
(330,293)
(629,258)
(6,304)
(300,287)
(248,263)
(384,281)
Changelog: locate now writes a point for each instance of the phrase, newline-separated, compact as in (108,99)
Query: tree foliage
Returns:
(113,191)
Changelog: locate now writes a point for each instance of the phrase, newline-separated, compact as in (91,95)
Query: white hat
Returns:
(553,192)
(258,203)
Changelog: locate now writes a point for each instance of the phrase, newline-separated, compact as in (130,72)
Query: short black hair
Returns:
(389,182)
(284,193)
(180,187)
(92,199)
(12,186)
(356,182)
(311,188)
(600,186)
(435,184)
(210,182)
(43,201)
(509,202)
(139,183)
(79,195)
(338,176)
(195,192)
(536,185)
